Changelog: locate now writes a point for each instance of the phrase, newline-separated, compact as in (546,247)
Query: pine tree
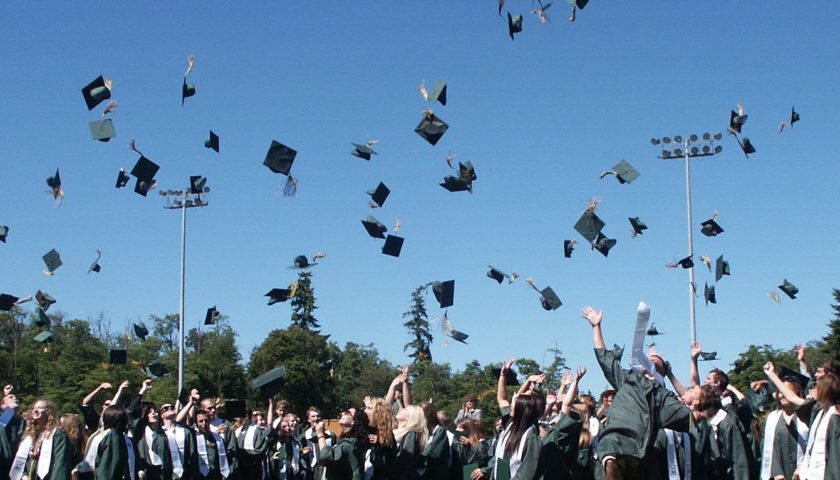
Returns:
(831,342)
(418,327)
(303,304)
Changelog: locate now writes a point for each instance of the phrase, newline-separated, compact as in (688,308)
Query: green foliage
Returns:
(358,371)
(759,355)
(303,304)
(830,347)
(418,327)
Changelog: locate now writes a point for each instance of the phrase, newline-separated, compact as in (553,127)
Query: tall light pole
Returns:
(184,199)
(687,148)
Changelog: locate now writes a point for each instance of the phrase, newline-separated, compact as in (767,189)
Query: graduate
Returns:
(309,439)
(287,457)
(212,454)
(785,437)
(822,453)
(437,448)
(12,428)
(252,443)
(179,441)
(345,460)
(44,452)
(113,457)
(561,438)
(411,436)
(223,428)
(383,447)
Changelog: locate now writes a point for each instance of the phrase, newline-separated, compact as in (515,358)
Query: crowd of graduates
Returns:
(786,426)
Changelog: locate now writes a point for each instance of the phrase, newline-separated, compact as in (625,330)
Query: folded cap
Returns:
(52,260)
(624,172)
(374,227)
(212,142)
(457,336)
(140,330)
(710,228)
(145,169)
(444,293)
(589,225)
(7,302)
(393,245)
(568,248)
(708,356)
(54,182)
(379,195)
(362,151)
(652,331)
(789,289)
(198,184)
(4,231)
(431,128)
(549,300)
(581,3)
(96,92)
(156,370)
(269,383)
(44,337)
(736,121)
(301,262)
(102,130)
(438,93)
(118,357)
(721,268)
(638,225)
(279,158)
(746,146)
(278,295)
(187,90)
(142,187)
(603,244)
(709,294)
(510,376)
(496,274)
(122,179)
(44,299)
(212,316)
(794,117)
(514,24)
(234,409)
(43,319)
(686,262)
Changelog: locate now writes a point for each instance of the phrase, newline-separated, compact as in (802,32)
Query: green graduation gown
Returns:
(112,458)
(409,458)
(437,455)
(729,455)
(560,448)
(344,460)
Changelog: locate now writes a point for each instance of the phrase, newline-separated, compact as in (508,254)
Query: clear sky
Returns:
(539,117)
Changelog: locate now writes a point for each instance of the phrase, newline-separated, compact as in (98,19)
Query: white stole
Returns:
(154,458)
(812,466)
(769,438)
(715,421)
(176,446)
(45,457)
(639,359)
(132,461)
(516,458)
(250,433)
(19,463)
(671,453)
(203,462)
(293,463)
(93,442)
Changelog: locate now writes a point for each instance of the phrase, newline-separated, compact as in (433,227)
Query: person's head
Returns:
(702,400)
(443,418)
(498,425)
(471,401)
(287,426)
(477,429)
(411,419)
(795,386)
(150,413)
(281,409)
(588,404)
(430,412)
(313,416)
(115,417)
(526,413)
(167,411)
(209,407)
(202,420)
(607,396)
(465,428)
(346,418)
(9,401)
(829,366)
(380,417)
(359,427)
(257,418)
(717,379)
(828,390)
(74,427)
(43,414)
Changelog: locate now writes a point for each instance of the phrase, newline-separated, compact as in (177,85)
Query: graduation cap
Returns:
(44,300)
(789,289)
(118,357)
(43,319)
(709,294)
(444,293)
(510,376)
(142,187)
(589,225)
(52,260)
(7,302)
(721,268)
(4,231)
(652,331)
(741,364)
(431,128)
(393,245)
(301,261)
(379,195)
(326,366)
(791,375)
(457,336)
(514,24)
(736,121)
(95,267)
(44,337)
(54,183)
(374,227)
(363,151)
(496,274)
(686,262)
(187,90)
(638,225)
(568,248)
(603,244)
(269,383)
(549,300)
(746,146)
(102,130)
(708,356)
(794,117)
(140,330)
(438,93)
(96,92)
(145,169)
(279,159)
(198,184)
(276,295)
(122,179)
(212,142)
(710,228)
(212,316)
(466,175)
(234,409)
(623,171)
(156,370)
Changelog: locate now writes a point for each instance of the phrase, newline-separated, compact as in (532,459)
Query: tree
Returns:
(554,370)
(303,304)
(418,327)
(216,369)
(830,347)
(166,328)
(756,356)
(358,371)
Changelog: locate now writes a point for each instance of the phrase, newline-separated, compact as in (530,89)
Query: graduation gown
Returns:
(409,460)
(530,468)
(213,459)
(463,455)
(831,448)
(252,461)
(344,460)
(10,435)
(382,460)
(437,455)
(560,449)
(287,459)
(728,456)
(112,461)
(315,470)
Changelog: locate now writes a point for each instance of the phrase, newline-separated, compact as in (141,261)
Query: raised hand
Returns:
(768,368)
(581,371)
(696,347)
(592,316)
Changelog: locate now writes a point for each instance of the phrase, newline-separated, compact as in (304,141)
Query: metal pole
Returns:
(183,276)
(691,286)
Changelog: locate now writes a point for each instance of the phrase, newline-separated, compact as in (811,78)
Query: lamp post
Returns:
(687,148)
(184,199)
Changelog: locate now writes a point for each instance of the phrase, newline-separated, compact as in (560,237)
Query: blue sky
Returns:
(539,117)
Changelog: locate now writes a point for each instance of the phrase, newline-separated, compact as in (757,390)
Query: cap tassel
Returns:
(775,296)
(707,261)
(190,64)
(592,204)
(422,89)
(573,16)
(530,282)
(450,158)
(397,226)
(512,277)
(318,256)
(290,188)
(133,147)
(112,106)
(293,289)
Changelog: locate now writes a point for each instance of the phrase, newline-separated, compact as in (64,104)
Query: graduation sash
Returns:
(715,421)
(516,458)
(671,453)
(175,440)
(132,461)
(769,437)
(19,463)
(89,463)
(203,463)
(639,359)
(289,464)
(154,458)
(45,457)
(247,441)
(813,463)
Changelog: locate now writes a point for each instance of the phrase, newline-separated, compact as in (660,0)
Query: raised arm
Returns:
(529,382)
(740,396)
(123,387)
(406,387)
(90,396)
(186,410)
(594,318)
(501,387)
(570,395)
(678,386)
(804,369)
(786,392)
(695,372)
(392,389)
(270,414)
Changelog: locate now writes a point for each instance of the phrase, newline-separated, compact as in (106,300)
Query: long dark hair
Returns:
(526,413)
(360,429)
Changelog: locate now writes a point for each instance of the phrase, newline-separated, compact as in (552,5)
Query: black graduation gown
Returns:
(112,462)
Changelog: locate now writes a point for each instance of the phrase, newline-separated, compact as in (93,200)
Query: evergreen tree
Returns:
(418,327)
(303,304)
(831,341)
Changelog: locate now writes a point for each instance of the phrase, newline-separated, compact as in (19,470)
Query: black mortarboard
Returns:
(789,289)
(44,337)
(212,142)
(278,295)
(54,182)
(455,184)
(549,299)
(44,299)
(52,260)
(439,93)
(603,244)
(145,169)
(380,194)
(4,231)
(393,245)
(140,330)
(43,319)
(95,267)
(96,92)
(741,364)
(458,336)
(686,262)
(118,357)
(736,121)
(279,158)
(234,409)
(746,146)
(142,187)
(510,376)
(431,128)
(269,383)
(301,262)
(122,179)
(362,151)
(212,316)
(589,225)
(514,24)
(710,228)
(708,356)
(581,3)
(495,274)
(7,302)
(721,268)
(187,90)
(794,117)
(444,293)
(102,130)
(624,172)
(709,294)
(568,248)
(197,184)
(788,374)
(638,225)
(156,370)
(652,331)
(374,227)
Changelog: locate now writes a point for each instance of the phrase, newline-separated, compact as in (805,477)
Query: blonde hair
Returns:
(415,421)
(52,420)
